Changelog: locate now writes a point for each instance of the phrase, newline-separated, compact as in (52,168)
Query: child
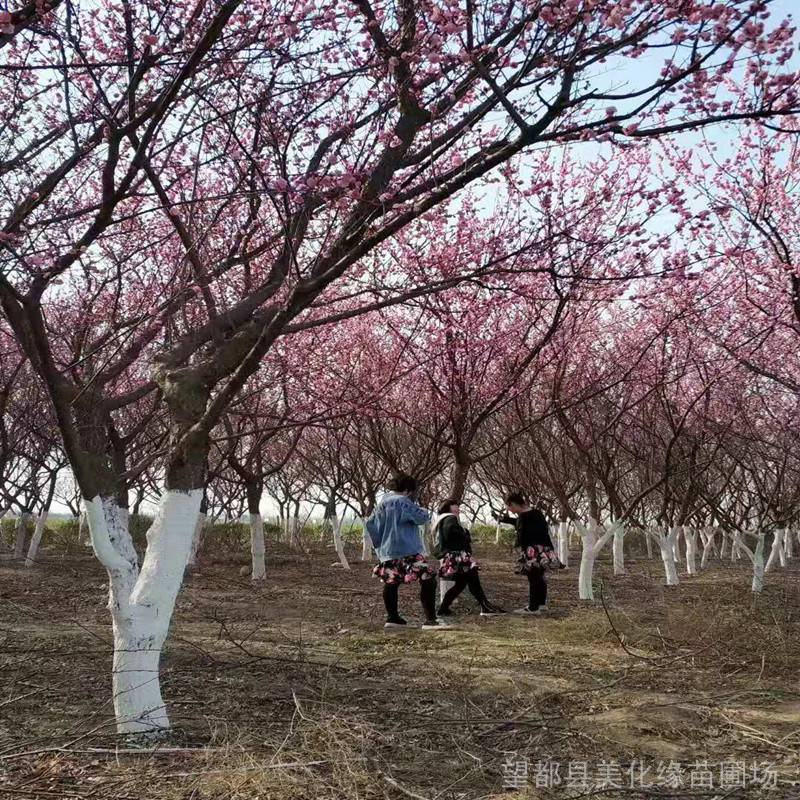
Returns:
(538,555)
(454,548)
(393,529)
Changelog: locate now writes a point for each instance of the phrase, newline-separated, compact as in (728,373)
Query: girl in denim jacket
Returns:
(394,531)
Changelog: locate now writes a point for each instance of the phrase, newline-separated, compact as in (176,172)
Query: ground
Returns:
(291,689)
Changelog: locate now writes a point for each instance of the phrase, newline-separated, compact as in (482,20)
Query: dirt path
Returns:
(292,689)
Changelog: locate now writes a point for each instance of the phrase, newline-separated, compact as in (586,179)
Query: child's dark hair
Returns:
(445,507)
(403,483)
(516,499)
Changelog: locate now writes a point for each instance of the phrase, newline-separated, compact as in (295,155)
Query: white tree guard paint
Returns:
(33,548)
(142,602)
(292,530)
(776,553)
(788,543)
(709,537)
(618,547)
(690,539)
(337,540)
(676,543)
(258,570)
(563,542)
(756,557)
(592,545)
(724,547)
(366,543)
(665,541)
(197,538)
(785,534)
(648,543)
(736,547)
(20,535)
(497,532)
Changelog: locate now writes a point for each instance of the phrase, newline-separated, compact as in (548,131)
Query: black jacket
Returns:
(531,529)
(452,537)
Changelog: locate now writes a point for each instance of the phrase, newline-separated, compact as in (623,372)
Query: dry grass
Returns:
(292,690)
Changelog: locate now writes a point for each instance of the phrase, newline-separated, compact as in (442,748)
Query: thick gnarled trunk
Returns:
(142,601)
(593,543)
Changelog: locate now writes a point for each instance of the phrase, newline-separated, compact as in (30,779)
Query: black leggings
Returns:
(427,596)
(469,581)
(537,588)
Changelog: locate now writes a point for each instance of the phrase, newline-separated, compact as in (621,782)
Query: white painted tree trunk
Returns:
(563,542)
(366,545)
(675,535)
(592,545)
(736,547)
(142,602)
(648,543)
(776,554)
(788,544)
(292,530)
(708,546)
(336,522)
(197,538)
(690,538)
(20,536)
(33,548)
(497,533)
(665,545)
(724,547)
(258,569)
(758,566)
(756,557)
(618,547)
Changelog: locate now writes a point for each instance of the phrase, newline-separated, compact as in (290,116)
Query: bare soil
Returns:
(291,689)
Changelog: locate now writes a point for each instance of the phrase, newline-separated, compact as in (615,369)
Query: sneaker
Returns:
(528,612)
(398,622)
(438,625)
(492,611)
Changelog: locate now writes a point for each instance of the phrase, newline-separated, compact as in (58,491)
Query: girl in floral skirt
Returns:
(454,548)
(538,556)
(394,531)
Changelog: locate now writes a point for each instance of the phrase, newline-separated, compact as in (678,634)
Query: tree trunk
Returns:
(21,535)
(675,535)
(756,557)
(460,475)
(690,538)
(736,547)
(142,602)
(618,548)
(708,546)
(33,548)
(788,544)
(258,569)
(337,540)
(776,553)
(592,545)
(758,566)
(563,542)
(366,543)
(666,546)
